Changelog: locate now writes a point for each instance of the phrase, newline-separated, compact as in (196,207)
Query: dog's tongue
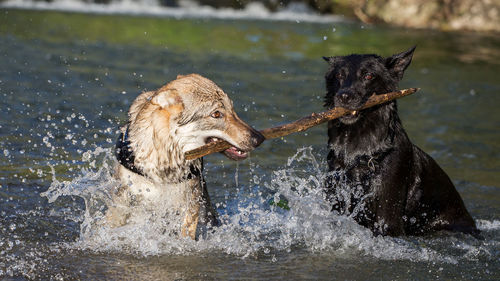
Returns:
(235,154)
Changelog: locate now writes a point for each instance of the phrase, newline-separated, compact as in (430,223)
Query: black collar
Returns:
(125,156)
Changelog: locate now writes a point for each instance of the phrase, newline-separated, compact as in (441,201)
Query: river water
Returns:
(67,80)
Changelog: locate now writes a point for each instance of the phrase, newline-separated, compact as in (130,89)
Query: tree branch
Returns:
(300,125)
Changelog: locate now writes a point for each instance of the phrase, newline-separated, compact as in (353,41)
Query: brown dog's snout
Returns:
(253,138)
(256,138)
(246,137)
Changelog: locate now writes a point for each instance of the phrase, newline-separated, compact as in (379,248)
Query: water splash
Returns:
(488,225)
(250,225)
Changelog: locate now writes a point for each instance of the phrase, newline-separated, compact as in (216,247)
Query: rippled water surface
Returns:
(67,80)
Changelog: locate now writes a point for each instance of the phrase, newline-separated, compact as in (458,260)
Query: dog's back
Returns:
(395,187)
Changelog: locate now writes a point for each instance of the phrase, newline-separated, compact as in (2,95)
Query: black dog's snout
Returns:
(345,98)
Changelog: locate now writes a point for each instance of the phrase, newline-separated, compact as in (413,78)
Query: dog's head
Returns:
(351,80)
(197,112)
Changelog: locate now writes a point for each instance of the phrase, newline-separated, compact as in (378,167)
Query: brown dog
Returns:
(164,124)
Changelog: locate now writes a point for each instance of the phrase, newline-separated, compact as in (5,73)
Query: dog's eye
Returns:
(339,76)
(368,76)
(216,114)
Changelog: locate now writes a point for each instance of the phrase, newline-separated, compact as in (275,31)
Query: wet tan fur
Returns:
(163,125)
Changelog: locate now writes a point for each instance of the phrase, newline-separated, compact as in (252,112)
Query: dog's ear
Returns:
(167,98)
(398,63)
(329,60)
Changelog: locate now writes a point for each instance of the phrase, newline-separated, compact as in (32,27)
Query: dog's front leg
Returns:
(192,215)
(119,211)
(391,192)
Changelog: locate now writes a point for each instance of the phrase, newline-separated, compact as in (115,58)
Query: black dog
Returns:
(378,176)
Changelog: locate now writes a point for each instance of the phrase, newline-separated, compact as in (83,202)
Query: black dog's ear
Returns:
(399,62)
(329,60)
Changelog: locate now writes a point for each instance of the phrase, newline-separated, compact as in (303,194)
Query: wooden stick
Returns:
(302,124)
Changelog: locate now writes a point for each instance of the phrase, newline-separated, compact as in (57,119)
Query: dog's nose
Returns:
(257,138)
(343,98)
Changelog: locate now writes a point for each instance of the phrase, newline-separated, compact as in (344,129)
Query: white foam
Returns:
(488,225)
(187,9)
(250,225)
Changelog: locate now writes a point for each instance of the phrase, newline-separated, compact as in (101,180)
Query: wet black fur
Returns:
(394,188)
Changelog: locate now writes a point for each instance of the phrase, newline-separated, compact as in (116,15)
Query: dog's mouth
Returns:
(350,118)
(233,152)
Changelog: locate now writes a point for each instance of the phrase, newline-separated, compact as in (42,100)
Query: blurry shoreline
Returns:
(469,15)
(297,12)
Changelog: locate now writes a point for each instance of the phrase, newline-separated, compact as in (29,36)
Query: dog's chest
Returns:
(362,170)
(142,191)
